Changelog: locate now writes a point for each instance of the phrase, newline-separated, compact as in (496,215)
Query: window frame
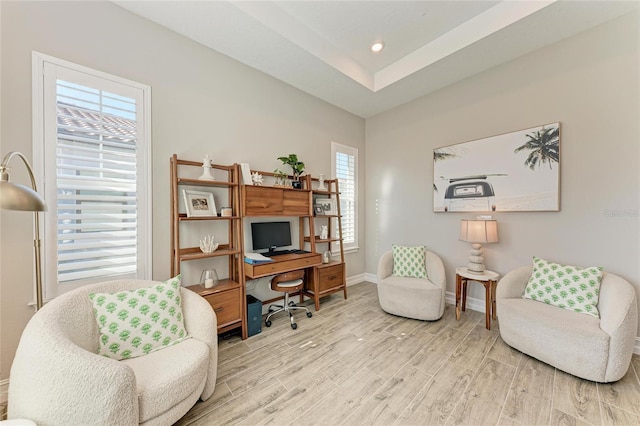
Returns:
(41,128)
(353,152)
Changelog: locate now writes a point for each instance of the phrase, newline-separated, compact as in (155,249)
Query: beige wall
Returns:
(202,102)
(590,84)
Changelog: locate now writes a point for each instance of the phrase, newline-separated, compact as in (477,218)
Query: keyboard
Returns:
(281,252)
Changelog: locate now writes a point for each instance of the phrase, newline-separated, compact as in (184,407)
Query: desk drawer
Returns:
(226,305)
(330,277)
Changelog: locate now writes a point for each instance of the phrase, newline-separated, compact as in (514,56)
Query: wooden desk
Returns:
(283,263)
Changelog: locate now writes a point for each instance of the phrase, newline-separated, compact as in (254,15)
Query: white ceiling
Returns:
(322,47)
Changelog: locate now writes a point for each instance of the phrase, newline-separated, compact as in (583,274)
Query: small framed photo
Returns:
(325,206)
(199,203)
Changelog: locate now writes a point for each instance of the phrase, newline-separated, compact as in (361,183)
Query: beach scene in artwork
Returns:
(517,171)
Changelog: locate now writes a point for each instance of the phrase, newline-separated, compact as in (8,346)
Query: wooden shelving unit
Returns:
(228,298)
(329,277)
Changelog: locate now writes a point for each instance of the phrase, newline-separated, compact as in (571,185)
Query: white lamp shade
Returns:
(479,231)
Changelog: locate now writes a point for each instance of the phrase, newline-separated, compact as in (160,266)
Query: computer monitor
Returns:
(270,235)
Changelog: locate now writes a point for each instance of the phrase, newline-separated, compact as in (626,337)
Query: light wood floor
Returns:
(353,364)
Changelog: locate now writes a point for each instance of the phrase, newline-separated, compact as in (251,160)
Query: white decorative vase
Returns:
(324,232)
(209,278)
(321,187)
(206,169)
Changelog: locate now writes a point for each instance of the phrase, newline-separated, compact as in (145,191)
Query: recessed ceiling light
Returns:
(377,46)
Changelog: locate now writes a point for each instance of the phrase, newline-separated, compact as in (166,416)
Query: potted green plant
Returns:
(281,177)
(297,168)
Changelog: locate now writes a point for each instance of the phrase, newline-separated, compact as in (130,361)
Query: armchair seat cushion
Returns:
(577,346)
(167,377)
(410,297)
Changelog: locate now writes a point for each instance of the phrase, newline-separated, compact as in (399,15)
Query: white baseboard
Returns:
(372,278)
(356,279)
(4,391)
(473,303)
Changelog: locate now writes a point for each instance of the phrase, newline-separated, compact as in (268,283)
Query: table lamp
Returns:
(18,197)
(478,232)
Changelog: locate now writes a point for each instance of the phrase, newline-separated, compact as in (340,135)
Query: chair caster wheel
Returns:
(309,314)
(294,325)
(267,323)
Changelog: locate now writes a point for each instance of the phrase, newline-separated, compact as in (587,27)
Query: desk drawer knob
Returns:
(219,309)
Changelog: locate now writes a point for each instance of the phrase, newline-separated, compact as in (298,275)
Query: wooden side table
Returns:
(488,279)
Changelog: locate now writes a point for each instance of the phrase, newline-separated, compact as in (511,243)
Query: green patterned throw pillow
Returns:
(137,322)
(409,261)
(564,286)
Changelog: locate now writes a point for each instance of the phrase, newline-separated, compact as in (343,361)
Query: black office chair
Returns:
(288,282)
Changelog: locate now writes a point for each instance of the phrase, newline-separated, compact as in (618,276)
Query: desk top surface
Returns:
(283,263)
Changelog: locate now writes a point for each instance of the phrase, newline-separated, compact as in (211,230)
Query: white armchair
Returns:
(597,349)
(57,378)
(417,298)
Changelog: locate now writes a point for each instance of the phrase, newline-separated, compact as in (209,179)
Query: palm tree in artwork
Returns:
(544,145)
(441,154)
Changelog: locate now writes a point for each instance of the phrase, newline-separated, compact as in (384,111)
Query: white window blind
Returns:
(95,163)
(344,165)
(96,182)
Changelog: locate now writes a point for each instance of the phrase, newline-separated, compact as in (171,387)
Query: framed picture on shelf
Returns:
(325,206)
(199,203)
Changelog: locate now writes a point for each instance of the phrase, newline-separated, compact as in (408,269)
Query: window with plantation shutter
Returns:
(95,159)
(344,161)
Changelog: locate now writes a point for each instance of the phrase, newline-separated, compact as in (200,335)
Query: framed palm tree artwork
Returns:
(517,171)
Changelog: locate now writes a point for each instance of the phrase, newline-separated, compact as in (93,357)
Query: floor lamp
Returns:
(19,197)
